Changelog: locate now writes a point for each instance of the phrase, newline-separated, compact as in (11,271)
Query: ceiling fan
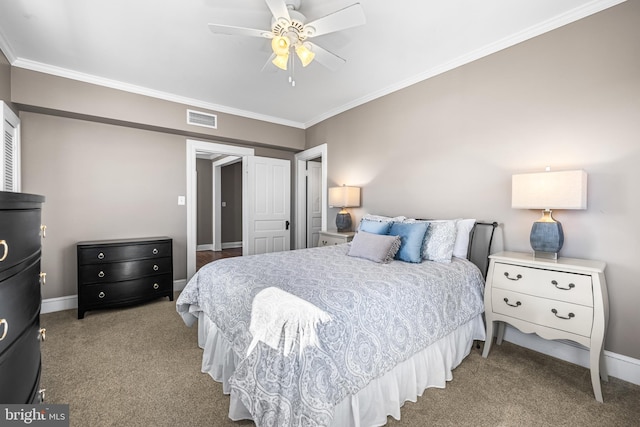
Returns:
(290,32)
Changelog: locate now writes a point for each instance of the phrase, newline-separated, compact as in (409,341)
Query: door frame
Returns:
(301,191)
(194,148)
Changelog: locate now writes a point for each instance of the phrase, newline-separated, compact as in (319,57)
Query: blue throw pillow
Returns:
(412,239)
(375,227)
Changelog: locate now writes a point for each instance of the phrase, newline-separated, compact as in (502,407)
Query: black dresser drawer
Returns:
(127,291)
(21,239)
(20,297)
(20,367)
(124,270)
(113,273)
(122,252)
(20,303)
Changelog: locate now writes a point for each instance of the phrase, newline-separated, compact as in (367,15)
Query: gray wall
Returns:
(231,194)
(231,189)
(112,164)
(447,147)
(5,79)
(101,182)
(205,202)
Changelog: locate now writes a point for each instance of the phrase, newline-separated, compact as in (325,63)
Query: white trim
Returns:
(70,302)
(618,365)
(179,285)
(231,245)
(526,34)
(140,90)
(216,197)
(51,305)
(301,188)
(194,147)
(207,247)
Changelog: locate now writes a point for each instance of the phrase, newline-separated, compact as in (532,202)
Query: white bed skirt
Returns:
(431,367)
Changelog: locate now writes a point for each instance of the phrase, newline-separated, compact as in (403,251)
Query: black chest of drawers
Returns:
(20,297)
(114,273)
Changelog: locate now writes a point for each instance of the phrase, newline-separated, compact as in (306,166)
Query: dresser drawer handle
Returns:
(155,251)
(517,304)
(3,322)
(43,279)
(554,311)
(101,294)
(41,394)
(155,267)
(571,286)
(101,255)
(518,277)
(4,244)
(43,231)
(156,286)
(101,274)
(42,334)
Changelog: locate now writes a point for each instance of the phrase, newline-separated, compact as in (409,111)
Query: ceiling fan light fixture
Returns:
(280,45)
(305,54)
(281,61)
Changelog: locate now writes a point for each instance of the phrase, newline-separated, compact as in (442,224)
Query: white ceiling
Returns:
(165,49)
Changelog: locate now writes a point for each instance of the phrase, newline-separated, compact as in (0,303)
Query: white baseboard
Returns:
(231,245)
(618,365)
(227,245)
(70,302)
(51,305)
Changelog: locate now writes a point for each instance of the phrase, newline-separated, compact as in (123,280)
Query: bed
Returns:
(388,329)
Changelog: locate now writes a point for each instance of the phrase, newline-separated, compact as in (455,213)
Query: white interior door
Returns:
(314,203)
(267,212)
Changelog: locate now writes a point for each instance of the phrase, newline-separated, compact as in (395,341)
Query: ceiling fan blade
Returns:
(278,9)
(326,58)
(350,16)
(239,31)
(268,66)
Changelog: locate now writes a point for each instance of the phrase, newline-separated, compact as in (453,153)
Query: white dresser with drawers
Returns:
(556,299)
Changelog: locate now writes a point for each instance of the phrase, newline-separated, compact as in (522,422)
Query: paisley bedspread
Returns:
(382,314)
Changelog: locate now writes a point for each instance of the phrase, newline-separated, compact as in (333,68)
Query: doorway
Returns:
(304,217)
(202,149)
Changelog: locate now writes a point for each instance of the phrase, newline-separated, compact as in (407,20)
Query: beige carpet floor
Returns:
(140,366)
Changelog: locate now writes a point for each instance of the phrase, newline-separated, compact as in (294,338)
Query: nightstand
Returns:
(557,299)
(327,238)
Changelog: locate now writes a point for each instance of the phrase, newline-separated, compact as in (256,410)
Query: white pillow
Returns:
(461,246)
(382,218)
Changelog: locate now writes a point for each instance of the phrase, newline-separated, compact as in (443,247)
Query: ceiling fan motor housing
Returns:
(295,29)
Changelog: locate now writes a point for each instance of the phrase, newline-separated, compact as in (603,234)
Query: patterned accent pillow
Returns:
(374,247)
(439,241)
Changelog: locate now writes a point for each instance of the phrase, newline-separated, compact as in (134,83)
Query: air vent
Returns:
(199,118)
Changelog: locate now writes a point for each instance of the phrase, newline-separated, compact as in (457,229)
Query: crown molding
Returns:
(526,34)
(140,90)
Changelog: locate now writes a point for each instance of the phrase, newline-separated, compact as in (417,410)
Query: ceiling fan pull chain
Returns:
(292,79)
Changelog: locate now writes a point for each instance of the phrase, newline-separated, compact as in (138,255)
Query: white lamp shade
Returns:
(549,190)
(344,197)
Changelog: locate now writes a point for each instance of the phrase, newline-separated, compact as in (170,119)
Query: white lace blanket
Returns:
(275,313)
